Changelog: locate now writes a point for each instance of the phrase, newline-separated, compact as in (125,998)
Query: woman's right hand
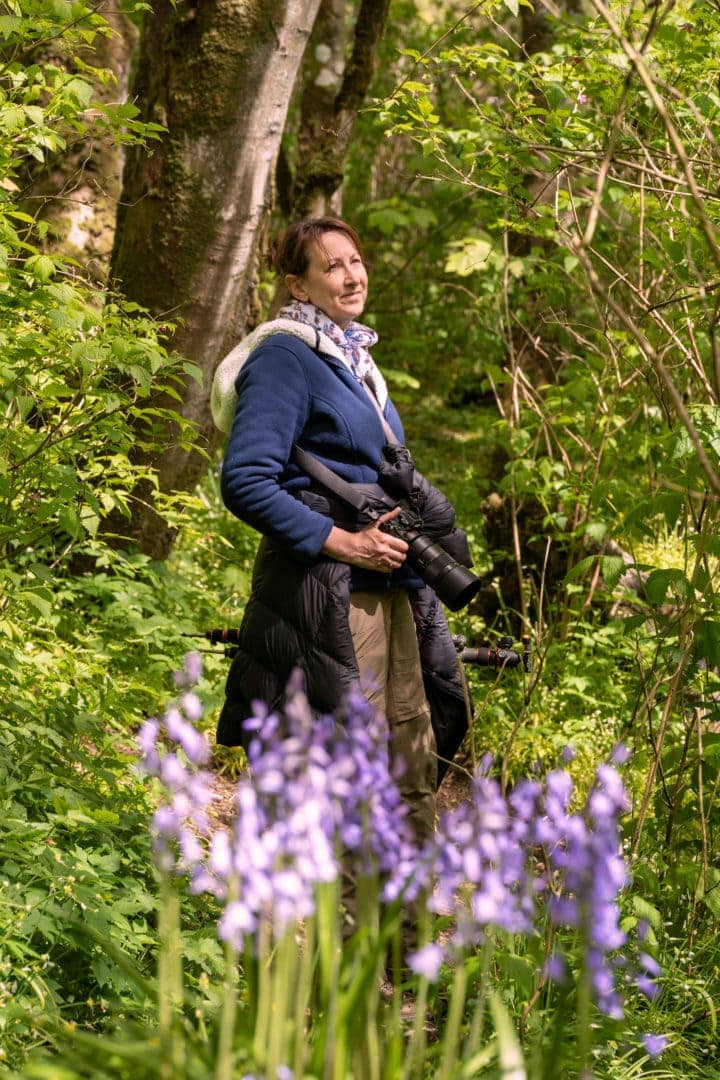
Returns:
(370,548)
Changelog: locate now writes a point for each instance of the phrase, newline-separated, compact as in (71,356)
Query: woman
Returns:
(331,596)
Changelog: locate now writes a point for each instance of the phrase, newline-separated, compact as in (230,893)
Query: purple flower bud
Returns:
(649,963)
(620,754)
(655,1044)
(165,821)
(556,969)
(191,851)
(193,667)
(427,961)
(647,986)
(147,740)
(485,764)
(172,772)
(235,922)
(191,706)
(220,859)
(192,742)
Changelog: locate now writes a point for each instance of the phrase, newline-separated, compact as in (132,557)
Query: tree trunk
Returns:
(78,190)
(334,89)
(218,75)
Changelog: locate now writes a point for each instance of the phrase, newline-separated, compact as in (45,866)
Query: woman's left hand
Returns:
(371,548)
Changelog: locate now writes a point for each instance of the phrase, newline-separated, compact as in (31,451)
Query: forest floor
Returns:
(454,790)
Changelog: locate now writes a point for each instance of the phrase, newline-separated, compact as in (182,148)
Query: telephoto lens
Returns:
(453,583)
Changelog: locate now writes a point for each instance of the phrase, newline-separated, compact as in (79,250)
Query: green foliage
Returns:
(533,237)
(85,655)
(568,267)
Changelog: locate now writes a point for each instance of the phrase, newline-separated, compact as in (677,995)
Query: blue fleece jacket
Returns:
(288,393)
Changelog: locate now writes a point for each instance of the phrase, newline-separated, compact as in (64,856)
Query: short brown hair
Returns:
(290,252)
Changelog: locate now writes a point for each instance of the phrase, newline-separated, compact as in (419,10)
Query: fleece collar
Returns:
(223,399)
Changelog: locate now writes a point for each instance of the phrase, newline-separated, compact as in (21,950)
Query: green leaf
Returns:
(580,568)
(660,582)
(12,117)
(708,889)
(401,378)
(469,257)
(647,911)
(612,568)
(40,266)
(69,520)
(596,530)
(38,600)
(81,90)
(512,1064)
(707,641)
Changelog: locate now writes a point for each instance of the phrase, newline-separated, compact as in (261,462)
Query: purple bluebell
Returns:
(427,961)
(321,788)
(655,1045)
(620,754)
(648,971)
(587,873)
(182,817)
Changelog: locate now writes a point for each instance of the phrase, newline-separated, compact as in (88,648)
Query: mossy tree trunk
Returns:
(219,75)
(336,77)
(77,190)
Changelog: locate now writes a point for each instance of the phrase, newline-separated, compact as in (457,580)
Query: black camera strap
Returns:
(330,480)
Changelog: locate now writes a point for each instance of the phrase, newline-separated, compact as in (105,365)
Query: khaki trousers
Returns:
(385,642)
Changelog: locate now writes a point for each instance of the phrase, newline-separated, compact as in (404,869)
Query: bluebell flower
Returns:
(427,961)
(655,1045)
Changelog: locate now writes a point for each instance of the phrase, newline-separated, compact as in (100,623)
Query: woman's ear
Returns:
(296,287)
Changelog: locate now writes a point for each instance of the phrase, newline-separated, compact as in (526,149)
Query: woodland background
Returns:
(537,187)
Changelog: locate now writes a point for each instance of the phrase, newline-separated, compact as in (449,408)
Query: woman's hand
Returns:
(371,548)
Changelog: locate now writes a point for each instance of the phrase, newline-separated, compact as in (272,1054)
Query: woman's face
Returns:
(335,280)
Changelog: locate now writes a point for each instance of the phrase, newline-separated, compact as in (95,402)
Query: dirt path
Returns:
(454,790)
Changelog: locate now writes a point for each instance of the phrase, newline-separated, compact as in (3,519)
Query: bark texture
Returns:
(219,75)
(78,191)
(336,79)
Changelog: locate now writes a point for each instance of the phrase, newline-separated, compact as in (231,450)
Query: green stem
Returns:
(451,1036)
(224,1063)
(478,1019)
(283,980)
(583,1033)
(418,1040)
(264,1002)
(303,1000)
(170,986)
(329,956)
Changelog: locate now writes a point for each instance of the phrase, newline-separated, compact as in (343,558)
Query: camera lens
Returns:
(454,584)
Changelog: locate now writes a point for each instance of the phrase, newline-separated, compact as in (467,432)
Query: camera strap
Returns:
(370,391)
(330,480)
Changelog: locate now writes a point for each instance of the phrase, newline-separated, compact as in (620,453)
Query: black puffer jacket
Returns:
(297,617)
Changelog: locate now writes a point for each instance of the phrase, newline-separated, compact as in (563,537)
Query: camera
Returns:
(454,584)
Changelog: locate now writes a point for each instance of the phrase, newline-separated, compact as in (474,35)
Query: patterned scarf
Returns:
(353,342)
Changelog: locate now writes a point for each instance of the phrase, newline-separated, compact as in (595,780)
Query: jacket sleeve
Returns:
(274,403)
